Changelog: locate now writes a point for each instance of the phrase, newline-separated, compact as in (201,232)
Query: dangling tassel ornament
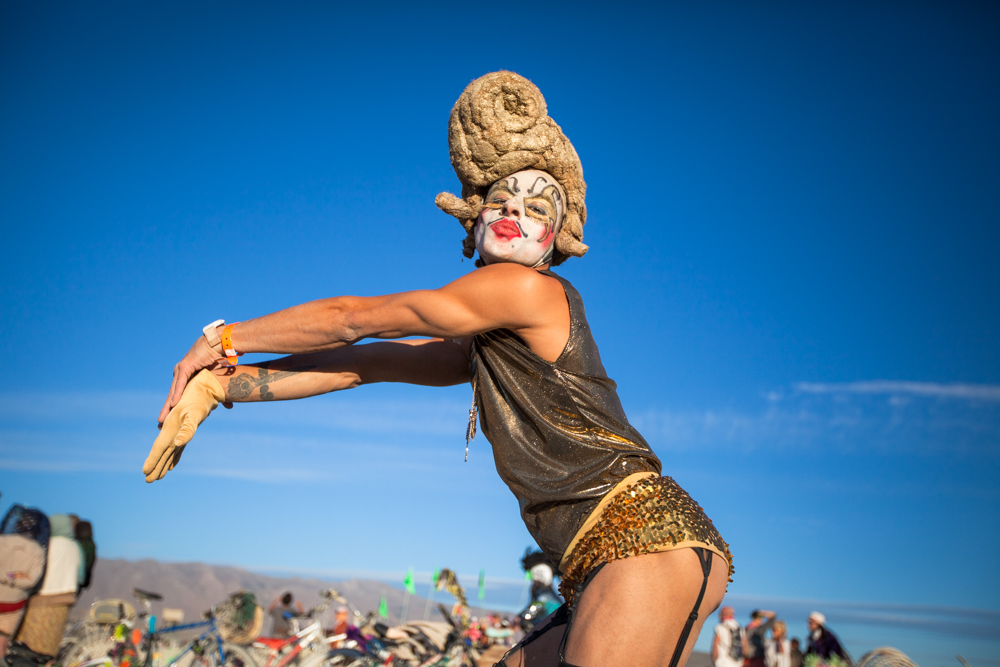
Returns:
(470,429)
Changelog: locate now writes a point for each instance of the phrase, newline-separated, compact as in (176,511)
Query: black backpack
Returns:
(736,645)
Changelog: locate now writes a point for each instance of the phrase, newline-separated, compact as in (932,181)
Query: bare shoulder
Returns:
(521,299)
(506,296)
(520,279)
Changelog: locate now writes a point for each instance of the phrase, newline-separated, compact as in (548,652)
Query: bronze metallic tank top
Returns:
(560,437)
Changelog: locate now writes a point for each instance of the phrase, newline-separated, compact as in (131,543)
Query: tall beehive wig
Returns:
(499,126)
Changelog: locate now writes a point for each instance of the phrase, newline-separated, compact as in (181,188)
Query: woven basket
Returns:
(239,618)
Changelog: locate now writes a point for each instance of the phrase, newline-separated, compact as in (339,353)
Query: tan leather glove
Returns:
(202,395)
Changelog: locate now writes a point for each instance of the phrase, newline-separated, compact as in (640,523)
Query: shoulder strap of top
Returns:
(574,298)
(578,327)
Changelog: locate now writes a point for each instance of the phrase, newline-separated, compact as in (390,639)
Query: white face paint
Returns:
(520,219)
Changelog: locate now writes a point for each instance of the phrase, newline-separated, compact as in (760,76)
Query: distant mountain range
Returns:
(195,587)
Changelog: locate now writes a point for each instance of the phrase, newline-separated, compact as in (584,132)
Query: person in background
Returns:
(822,642)
(340,624)
(777,649)
(45,620)
(753,637)
(84,533)
(281,627)
(796,653)
(24,536)
(727,644)
(544,599)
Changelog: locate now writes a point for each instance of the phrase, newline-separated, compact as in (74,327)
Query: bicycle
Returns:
(304,646)
(126,646)
(419,643)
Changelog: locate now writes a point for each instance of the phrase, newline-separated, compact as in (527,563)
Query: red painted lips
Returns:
(506,229)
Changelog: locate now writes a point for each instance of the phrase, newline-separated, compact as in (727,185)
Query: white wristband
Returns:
(212,336)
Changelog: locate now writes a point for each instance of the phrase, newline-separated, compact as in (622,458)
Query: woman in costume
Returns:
(642,566)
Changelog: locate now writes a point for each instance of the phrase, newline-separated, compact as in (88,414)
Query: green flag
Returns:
(434,577)
(408,582)
(527,575)
(383,608)
(482,584)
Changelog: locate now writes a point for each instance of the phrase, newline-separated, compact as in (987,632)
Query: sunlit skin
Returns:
(322,338)
(519,219)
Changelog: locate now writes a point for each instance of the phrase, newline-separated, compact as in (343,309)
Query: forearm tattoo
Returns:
(242,385)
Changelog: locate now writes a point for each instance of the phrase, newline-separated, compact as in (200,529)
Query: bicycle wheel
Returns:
(340,657)
(94,647)
(194,654)
(235,656)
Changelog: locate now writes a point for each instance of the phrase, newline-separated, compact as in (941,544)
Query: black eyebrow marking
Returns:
(555,191)
(499,186)
(516,189)
(532,188)
(544,196)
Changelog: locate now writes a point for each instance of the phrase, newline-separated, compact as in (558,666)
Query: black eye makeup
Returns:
(543,206)
(539,211)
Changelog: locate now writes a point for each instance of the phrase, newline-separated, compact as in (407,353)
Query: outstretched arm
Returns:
(497,296)
(433,362)
(430,362)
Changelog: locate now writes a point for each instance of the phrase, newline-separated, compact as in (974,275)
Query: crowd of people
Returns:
(45,561)
(750,646)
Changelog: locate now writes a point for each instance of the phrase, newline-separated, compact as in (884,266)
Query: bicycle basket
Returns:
(239,618)
(111,612)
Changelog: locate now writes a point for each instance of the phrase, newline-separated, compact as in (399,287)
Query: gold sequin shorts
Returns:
(654,514)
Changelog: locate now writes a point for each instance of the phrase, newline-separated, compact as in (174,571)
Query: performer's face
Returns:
(520,219)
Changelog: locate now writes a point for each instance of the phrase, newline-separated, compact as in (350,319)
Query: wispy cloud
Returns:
(303,441)
(264,475)
(71,406)
(264,452)
(317,440)
(876,416)
(976,392)
(28,465)
(960,621)
(339,412)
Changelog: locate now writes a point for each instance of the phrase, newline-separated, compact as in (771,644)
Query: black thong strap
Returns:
(564,615)
(705,556)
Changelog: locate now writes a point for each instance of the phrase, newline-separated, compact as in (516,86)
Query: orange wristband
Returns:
(227,345)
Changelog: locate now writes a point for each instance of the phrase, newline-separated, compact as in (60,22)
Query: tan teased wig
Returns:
(500,126)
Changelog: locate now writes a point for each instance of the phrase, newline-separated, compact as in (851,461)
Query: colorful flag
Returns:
(482,584)
(435,576)
(408,582)
(383,608)
(527,575)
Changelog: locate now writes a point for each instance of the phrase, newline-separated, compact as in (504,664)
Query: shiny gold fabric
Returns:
(652,515)
(560,437)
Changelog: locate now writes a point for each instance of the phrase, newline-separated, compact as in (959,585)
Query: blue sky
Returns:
(793,221)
